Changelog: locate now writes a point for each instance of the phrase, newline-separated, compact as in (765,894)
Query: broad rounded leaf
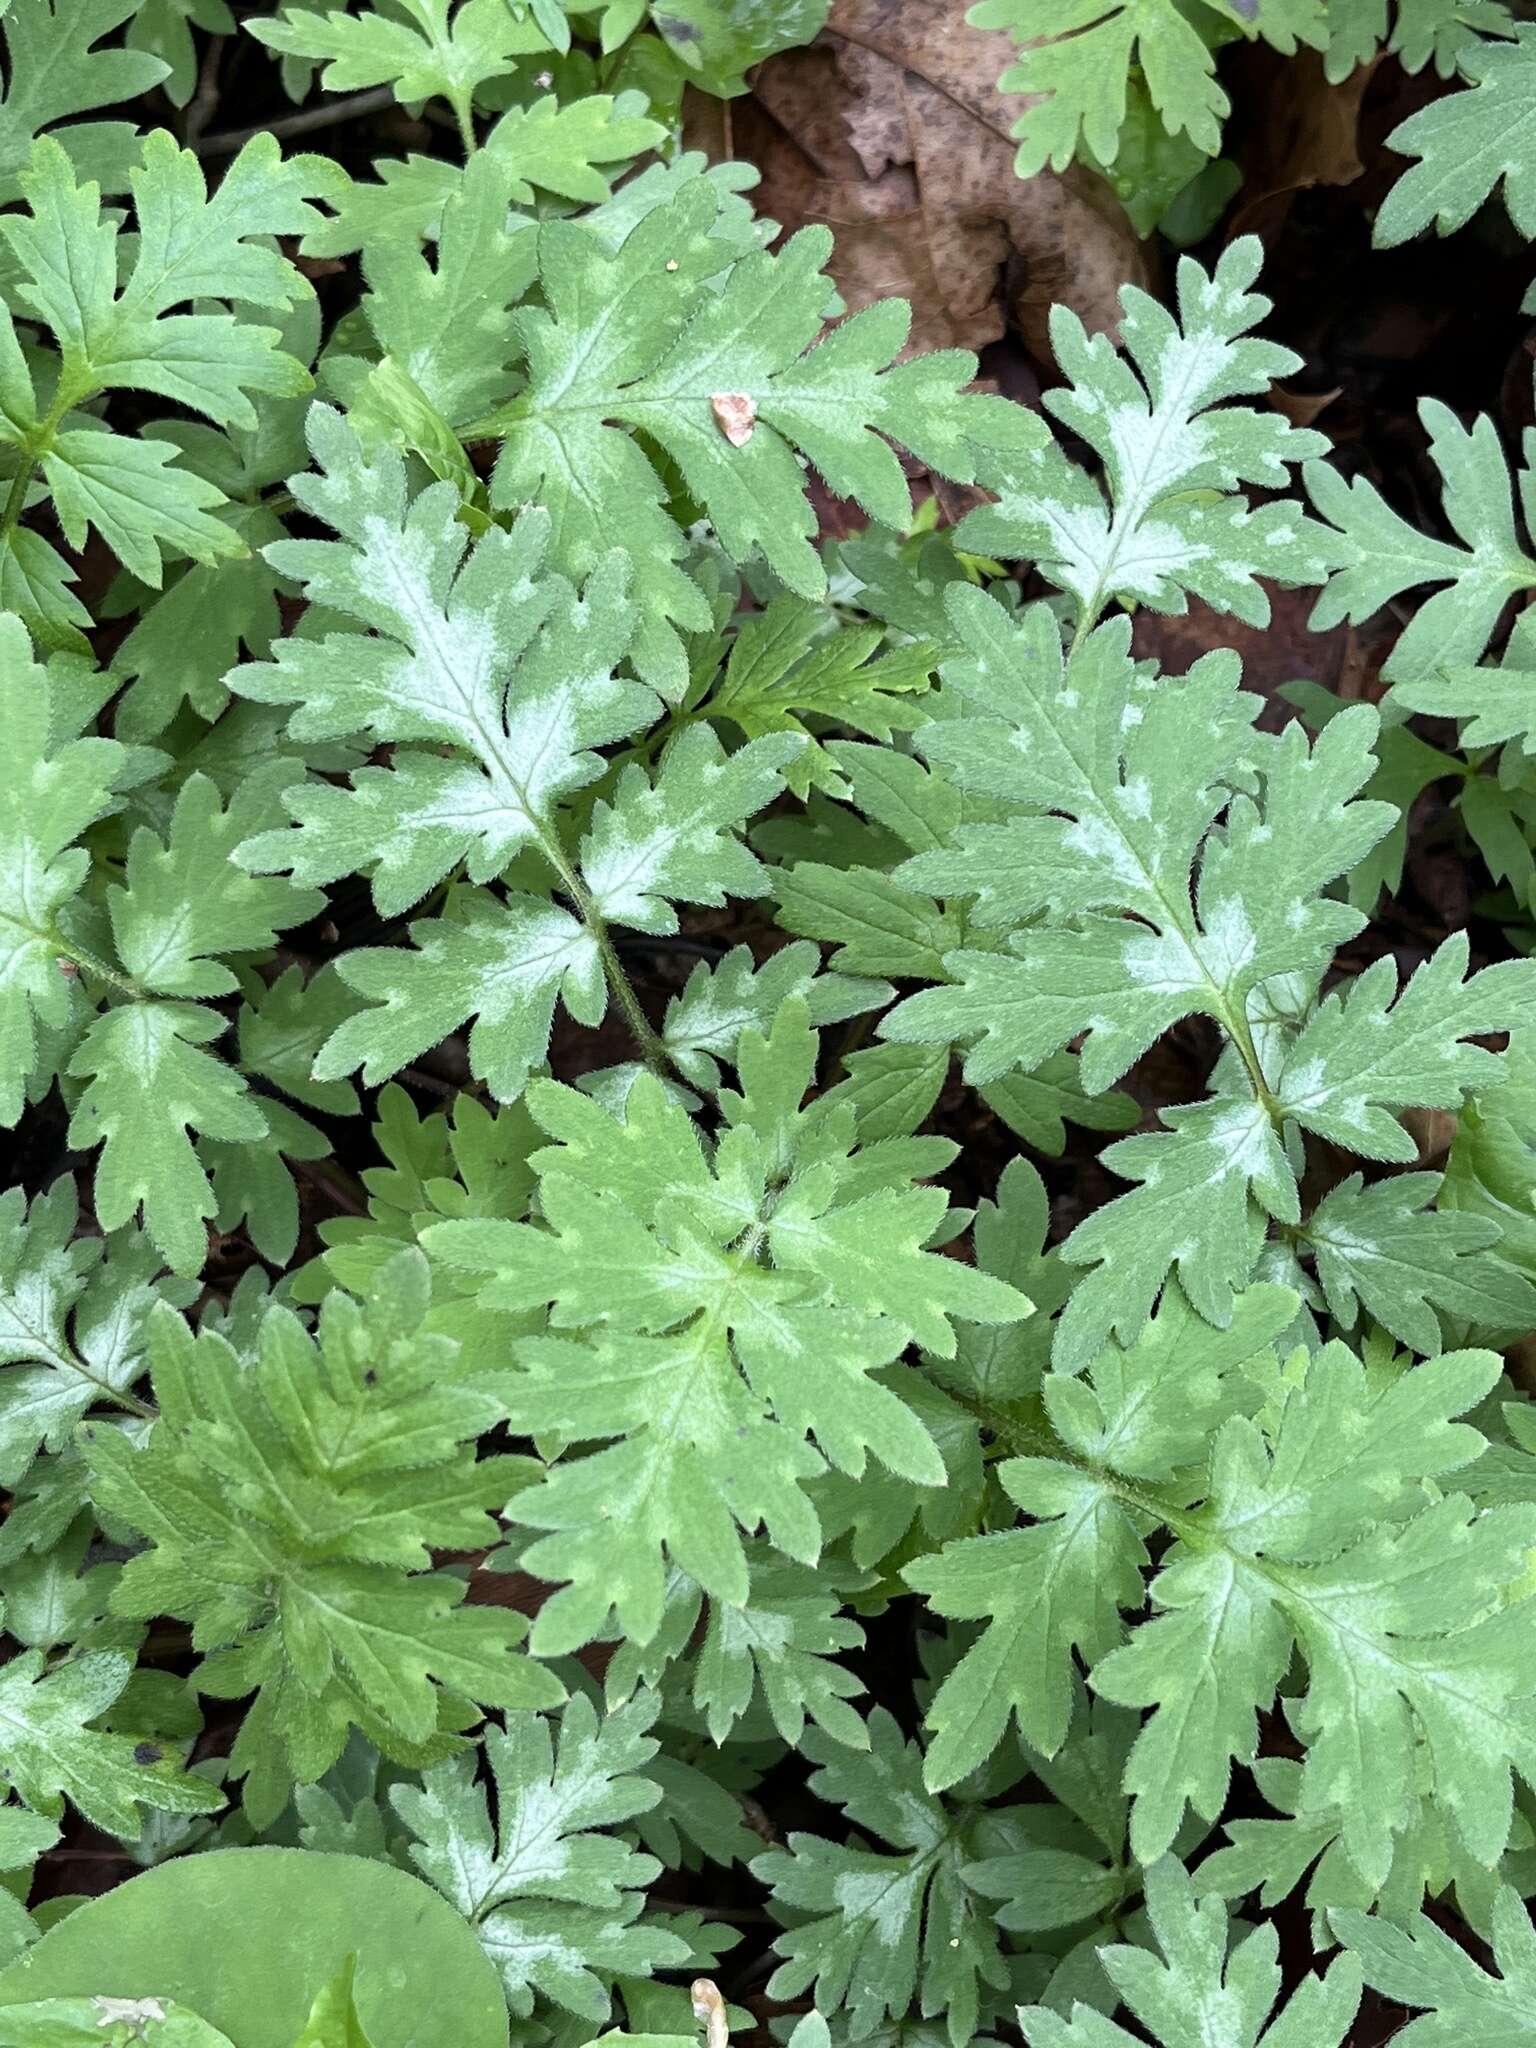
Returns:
(247,1937)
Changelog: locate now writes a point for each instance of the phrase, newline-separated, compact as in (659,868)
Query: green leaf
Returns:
(50,1752)
(1039,1106)
(108,2023)
(1491,704)
(676,837)
(1109,810)
(1000,1367)
(149,1085)
(892,1088)
(783,1645)
(881,1513)
(515,672)
(1165,522)
(1195,1209)
(333,2020)
(444,327)
(282,1028)
(721,40)
(484,652)
(1420,1965)
(1276,1855)
(877,926)
(572,150)
(180,903)
(703,1024)
(783,667)
(790,1241)
(1490,1165)
(1387,556)
(1466,146)
(51,1603)
(441,633)
(877,1930)
(292,1507)
(302,1913)
(640,339)
(1419,30)
(186,900)
(1361,1054)
(1058,1585)
(163,30)
(551,1899)
(1317,1535)
(136,499)
(880,925)
(24,1836)
(475,1164)
(1080,54)
(53,70)
(1152,167)
(1050,1589)
(1422,1593)
(1383,1248)
(1103,807)
(189,247)
(211,612)
(1196,1992)
(422,52)
(52,786)
(505,963)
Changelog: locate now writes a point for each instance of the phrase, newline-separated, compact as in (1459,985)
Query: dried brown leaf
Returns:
(736,415)
(1310,135)
(892,132)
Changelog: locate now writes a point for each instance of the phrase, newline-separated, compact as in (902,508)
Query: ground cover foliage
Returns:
(769,1258)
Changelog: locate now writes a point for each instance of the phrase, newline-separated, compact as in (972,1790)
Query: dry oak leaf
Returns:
(891,131)
(1309,135)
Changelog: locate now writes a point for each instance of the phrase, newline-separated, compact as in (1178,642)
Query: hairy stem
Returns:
(72,390)
(92,963)
(16,500)
(650,1046)
(121,1397)
(652,1050)
(331,112)
(466,125)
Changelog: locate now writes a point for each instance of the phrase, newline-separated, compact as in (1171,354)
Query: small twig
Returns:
(318,1175)
(741,1916)
(670,942)
(433,1083)
(303,122)
(87,1856)
(205,100)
